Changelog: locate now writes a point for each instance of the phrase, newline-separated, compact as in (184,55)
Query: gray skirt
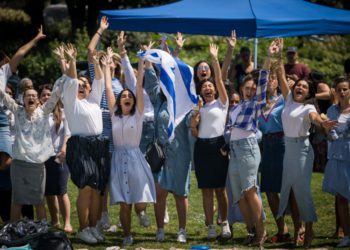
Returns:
(28,182)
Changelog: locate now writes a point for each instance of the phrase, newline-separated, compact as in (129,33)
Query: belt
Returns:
(211,140)
(277,135)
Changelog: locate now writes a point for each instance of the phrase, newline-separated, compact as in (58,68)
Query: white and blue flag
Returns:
(176,82)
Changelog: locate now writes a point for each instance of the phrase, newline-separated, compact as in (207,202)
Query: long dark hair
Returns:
(119,111)
(198,82)
(311,99)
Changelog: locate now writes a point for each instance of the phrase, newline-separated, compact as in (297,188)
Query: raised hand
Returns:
(105,60)
(274,47)
(146,47)
(110,52)
(231,41)
(40,34)
(59,52)
(121,40)
(104,23)
(213,50)
(179,40)
(71,51)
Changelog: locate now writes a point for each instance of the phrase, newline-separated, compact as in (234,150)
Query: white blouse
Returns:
(84,116)
(213,119)
(33,137)
(295,118)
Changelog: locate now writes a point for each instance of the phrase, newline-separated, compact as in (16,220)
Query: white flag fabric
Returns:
(176,82)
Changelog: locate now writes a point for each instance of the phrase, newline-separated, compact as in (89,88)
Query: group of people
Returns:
(95,126)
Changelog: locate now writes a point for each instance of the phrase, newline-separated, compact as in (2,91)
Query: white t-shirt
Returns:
(5,73)
(213,119)
(295,118)
(84,116)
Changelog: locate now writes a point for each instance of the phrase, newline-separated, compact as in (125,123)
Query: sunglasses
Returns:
(203,67)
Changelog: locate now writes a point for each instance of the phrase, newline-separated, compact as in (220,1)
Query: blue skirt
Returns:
(272,163)
(5,141)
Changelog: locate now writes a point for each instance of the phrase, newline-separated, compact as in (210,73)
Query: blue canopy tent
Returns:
(250,18)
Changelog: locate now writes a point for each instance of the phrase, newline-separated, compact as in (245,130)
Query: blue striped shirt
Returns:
(117,87)
(247,118)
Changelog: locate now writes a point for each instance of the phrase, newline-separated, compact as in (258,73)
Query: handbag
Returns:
(155,156)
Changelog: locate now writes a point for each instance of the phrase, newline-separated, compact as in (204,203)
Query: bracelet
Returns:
(98,33)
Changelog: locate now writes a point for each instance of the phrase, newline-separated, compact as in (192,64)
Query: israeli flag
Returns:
(176,82)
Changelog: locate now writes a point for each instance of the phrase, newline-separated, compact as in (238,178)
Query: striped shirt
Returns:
(117,87)
(247,118)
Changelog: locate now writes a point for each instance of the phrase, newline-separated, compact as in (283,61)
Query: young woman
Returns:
(207,154)
(131,180)
(245,153)
(32,147)
(57,171)
(270,124)
(87,151)
(337,173)
(297,116)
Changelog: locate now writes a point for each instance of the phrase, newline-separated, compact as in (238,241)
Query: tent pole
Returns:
(256,53)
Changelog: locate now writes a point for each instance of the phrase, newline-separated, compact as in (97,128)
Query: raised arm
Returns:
(281,74)
(93,43)
(231,43)
(59,52)
(179,44)
(22,51)
(130,79)
(9,102)
(213,50)
(139,89)
(71,53)
(57,90)
(106,60)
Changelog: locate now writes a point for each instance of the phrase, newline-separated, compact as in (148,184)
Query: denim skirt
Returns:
(297,171)
(243,166)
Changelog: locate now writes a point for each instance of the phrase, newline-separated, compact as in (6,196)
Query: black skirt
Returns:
(56,177)
(88,160)
(210,165)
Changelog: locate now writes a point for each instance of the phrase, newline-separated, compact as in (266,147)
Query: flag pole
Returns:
(256,53)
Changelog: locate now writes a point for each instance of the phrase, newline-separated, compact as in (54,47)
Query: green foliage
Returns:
(8,15)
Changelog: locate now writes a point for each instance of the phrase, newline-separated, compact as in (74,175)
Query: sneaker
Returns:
(344,242)
(105,220)
(211,232)
(97,234)
(181,236)
(86,236)
(128,241)
(160,236)
(166,216)
(225,230)
(143,219)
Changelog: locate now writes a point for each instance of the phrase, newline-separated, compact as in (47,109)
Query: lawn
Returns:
(196,229)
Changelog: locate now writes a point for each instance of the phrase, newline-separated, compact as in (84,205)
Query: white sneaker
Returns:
(160,236)
(211,232)
(166,216)
(181,236)
(344,242)
(143,219)
(225,230)
(128,241)
(86,236)
(105,220)
(97,234)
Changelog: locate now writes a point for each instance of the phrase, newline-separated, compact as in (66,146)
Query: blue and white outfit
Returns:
(337,173)
(147,136)
(298,158)
(175,175)
(244,148)
(131,176)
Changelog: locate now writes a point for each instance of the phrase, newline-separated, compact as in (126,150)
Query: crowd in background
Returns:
(280,119)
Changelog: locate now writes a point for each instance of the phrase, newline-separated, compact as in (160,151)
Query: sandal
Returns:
(280,238)
(299,238)
(259,241)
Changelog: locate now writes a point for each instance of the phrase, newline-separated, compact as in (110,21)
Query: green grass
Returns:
(196,229)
